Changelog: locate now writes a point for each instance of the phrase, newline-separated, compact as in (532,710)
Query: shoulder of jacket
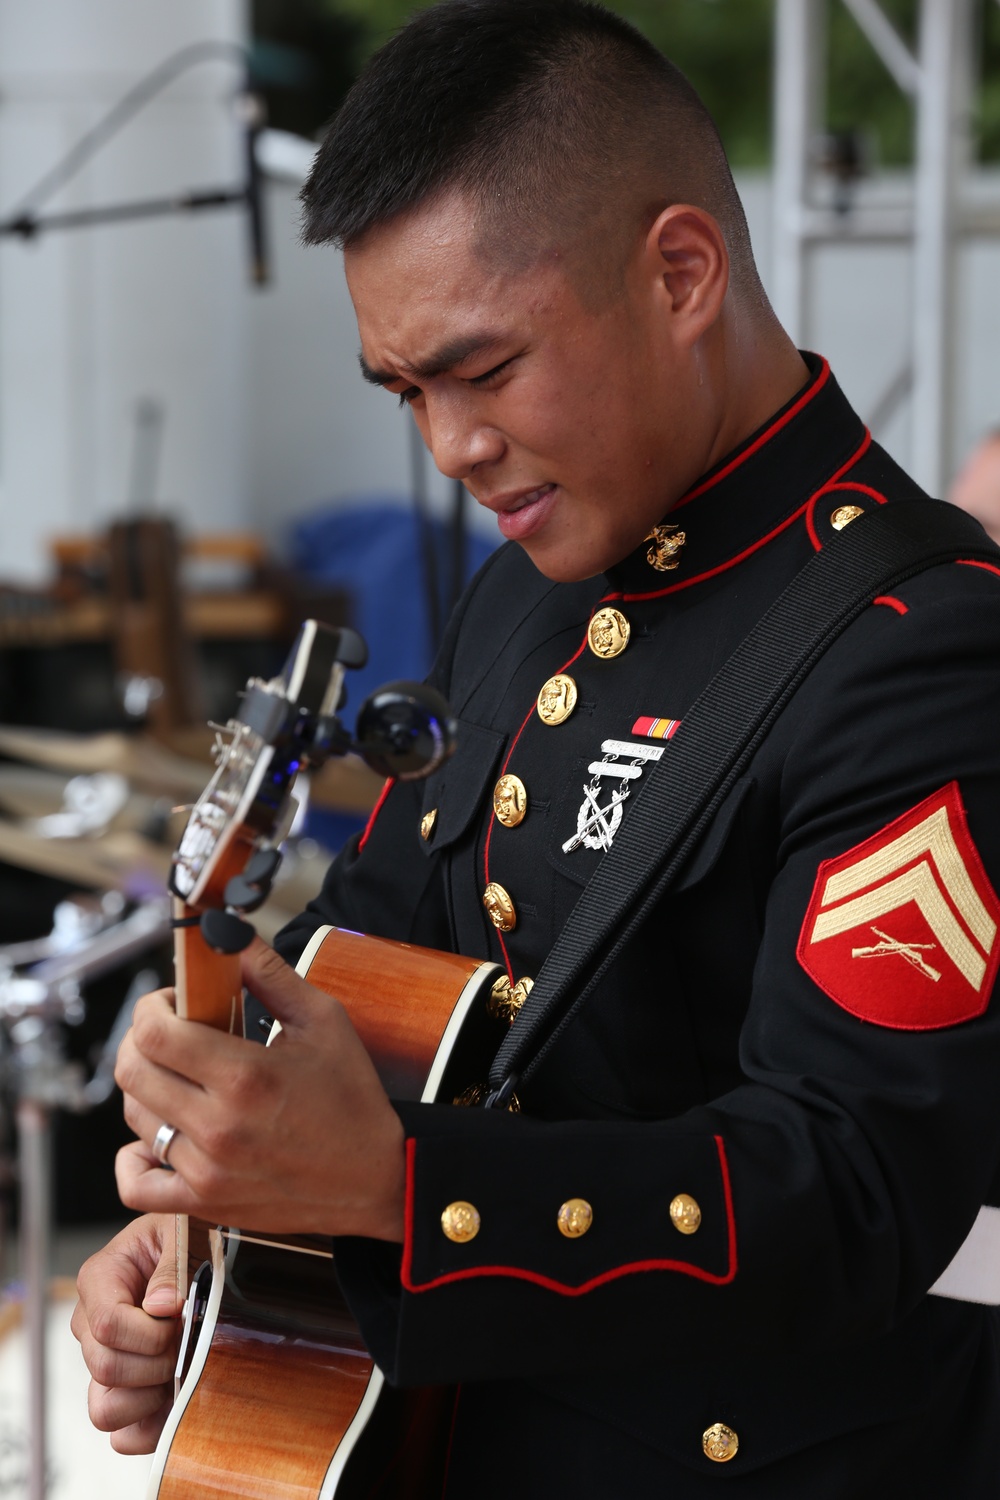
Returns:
(966,588)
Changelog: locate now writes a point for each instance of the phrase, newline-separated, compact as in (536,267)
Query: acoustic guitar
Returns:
(276,1396)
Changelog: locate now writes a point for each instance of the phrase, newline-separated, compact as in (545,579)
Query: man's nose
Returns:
(458,438)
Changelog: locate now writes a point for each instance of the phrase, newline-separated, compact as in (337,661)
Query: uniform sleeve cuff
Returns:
(568,1207)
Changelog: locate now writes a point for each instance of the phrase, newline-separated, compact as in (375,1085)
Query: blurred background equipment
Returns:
(936,74)
(225,863)
(26,222)
(977,484)
(37,1079)
(262,417)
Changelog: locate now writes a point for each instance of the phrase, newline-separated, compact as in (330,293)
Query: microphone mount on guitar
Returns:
(289,724)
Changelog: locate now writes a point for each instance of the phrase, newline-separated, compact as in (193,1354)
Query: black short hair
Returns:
(551,115)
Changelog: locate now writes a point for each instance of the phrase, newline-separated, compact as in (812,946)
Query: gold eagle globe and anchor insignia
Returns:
(668,541)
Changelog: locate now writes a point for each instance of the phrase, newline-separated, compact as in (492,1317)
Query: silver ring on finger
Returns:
(162,1142)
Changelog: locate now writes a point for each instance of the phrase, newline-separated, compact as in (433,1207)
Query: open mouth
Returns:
(525,514)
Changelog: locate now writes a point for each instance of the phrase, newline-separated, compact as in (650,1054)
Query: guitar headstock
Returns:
(283,726)
(228,853)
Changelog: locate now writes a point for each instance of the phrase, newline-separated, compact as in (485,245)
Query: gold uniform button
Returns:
(557,699)
(608,633)
(720,1443)
(477,1093)
(499,907)
(685,1214)
(427,824)
(506,999)
(510,800)
(460,1222)
(844,515)
(575,1218)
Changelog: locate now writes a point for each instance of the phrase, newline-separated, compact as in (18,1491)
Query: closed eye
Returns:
(479,382)
(483,381)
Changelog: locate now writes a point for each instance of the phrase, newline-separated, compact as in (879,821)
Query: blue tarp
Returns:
(373,551)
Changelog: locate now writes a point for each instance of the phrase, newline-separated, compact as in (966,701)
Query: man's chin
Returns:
(560,566)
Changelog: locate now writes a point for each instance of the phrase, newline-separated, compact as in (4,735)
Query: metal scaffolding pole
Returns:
(942,161)
(799,26)
(934,224)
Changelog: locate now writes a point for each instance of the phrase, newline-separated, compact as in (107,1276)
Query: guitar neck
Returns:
(209,990)
(207,983)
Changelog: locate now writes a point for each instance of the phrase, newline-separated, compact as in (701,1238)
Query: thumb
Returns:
(283,993)
(162,1298)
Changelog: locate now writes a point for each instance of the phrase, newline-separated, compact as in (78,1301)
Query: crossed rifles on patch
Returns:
(909,951)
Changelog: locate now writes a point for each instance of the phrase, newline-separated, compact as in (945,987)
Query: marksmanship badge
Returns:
(600,812)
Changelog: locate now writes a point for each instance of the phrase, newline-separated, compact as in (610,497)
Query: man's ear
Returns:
(685,252)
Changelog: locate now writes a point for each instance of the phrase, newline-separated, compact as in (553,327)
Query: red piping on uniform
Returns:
(727,1193)
(375,812)
(765,437)
(688,583)
(893,603)
(519,1273)
(852,484)
(700,578)
(836,483)
(493,816)
(973,562)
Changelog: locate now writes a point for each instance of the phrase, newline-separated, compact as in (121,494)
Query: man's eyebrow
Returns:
(455,352)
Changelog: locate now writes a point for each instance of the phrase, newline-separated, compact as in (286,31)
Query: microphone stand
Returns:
(28,226)
(26,223)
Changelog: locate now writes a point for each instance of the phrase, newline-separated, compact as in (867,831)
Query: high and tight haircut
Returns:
(553,117)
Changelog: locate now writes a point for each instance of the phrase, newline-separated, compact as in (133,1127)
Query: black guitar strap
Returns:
(721,732)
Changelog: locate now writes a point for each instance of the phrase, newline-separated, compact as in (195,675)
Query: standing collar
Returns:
(757,490)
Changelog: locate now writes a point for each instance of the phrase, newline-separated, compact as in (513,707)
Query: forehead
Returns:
(423,280)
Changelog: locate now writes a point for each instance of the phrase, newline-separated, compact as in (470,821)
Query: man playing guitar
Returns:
(706,1244)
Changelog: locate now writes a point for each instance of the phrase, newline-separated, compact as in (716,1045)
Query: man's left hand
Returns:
(298,1137)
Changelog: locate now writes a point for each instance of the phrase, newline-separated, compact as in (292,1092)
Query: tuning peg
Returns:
(225,931)
(352,651)
(248,890)
(262,866)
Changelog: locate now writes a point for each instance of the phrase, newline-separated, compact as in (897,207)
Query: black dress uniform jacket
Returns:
(831,1108)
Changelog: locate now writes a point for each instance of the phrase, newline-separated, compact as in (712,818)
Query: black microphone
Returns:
(405,730)
(254,114)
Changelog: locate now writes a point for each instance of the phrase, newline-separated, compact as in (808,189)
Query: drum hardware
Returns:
(35,1006)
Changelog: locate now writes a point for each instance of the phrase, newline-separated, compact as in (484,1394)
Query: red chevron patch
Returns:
(902,930)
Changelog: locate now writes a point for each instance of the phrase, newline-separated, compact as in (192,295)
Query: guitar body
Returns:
(278,1398)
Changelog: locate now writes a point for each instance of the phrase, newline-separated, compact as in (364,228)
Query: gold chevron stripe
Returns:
(919,885)
(932,836)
